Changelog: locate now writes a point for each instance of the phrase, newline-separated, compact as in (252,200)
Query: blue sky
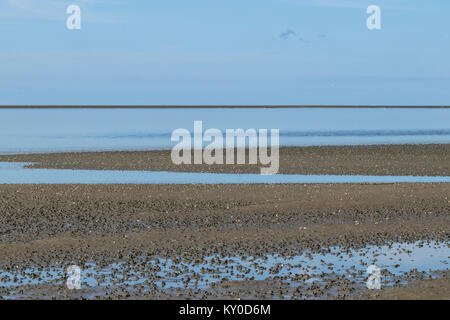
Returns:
(225,52)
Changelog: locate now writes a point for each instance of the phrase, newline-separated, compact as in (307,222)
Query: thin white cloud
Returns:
(56,9)
(353,4)
(329,3)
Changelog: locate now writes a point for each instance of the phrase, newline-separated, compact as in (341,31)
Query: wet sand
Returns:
(417,160)
(56,226)
(145,227)
(436,289)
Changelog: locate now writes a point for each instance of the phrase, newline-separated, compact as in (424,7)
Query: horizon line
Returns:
(220,106)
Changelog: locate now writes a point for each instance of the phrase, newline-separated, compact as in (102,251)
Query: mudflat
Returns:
(417,160)
(166,232)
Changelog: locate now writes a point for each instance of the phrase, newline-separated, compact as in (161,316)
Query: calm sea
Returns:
(49,130)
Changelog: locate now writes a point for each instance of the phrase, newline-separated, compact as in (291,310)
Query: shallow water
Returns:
(394,260)
(15,173)
(34,131)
